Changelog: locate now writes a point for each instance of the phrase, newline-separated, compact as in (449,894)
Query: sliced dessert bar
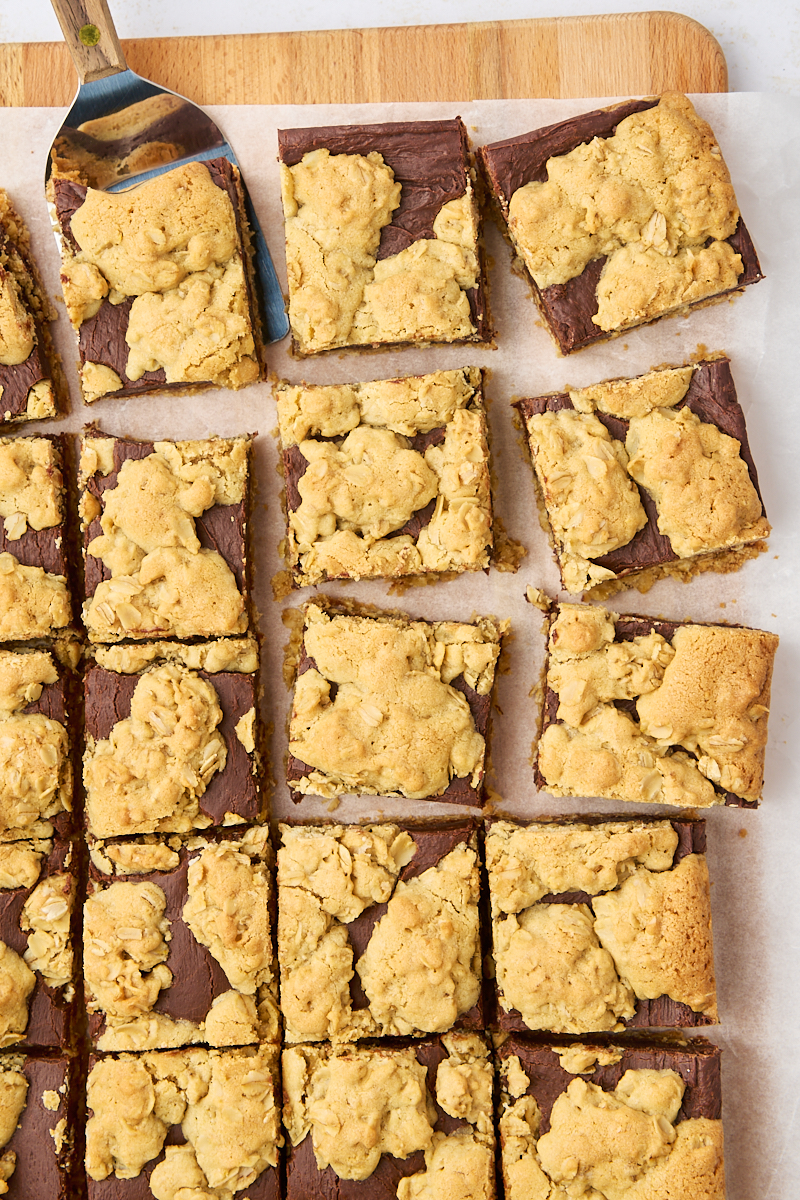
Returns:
(164,528)
(378,930)
(173,740)
(638,1121)
(620,216)
(31,384)
(41,1127)
(646,710)
(382,235)
(384,705)
(178,942)
(388,478)
(601,925)
(390,1121)
(680,435)
(157,283)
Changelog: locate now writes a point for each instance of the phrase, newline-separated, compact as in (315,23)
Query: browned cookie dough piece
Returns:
(34,555)
(31,383)
(382,236)
(184,1122)
(173,738)
(36,712)
(642,1122)
(39,1127)
(680,435)
(164,528)
(178,942)
(655,711)
(390,1121)
(37,933)
(378,930)
(157,282)
(388,478)
(620,216)
(601,925)
(384,705)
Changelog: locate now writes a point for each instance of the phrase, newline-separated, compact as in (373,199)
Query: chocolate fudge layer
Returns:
(37,933)
(371,687)
(641,1121)
(388,478)
(601,925)
(157,282)
(378,930)
(164,527)
(402,1120)
(31,383)
(36,699)
(39,1123)
(184,1121)
(646,477)
(178,942)
(173,738)
(655,711)
(395,204)
(620,216)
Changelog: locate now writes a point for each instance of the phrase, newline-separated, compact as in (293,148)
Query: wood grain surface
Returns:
(618,54)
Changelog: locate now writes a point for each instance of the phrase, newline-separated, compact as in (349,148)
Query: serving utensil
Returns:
(123,129)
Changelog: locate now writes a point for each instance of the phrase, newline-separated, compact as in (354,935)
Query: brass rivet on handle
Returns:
(89,35)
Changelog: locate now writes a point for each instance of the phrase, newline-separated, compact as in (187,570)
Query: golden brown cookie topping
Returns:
(33,603)
(17,982)
(35,769)
(30,485)
(125,949)
(47,914)
(17,331)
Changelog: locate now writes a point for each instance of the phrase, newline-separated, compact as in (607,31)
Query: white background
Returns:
(759,38)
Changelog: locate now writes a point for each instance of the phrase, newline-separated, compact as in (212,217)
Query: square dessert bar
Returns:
(173,739)
(601,925)
(642,1121)
(36,698)
(178,942)
(656,711)
(164,530)
(184,1122)
(646,477)
(390,1121)
(382,236)
(31,383)
(378,930)
(620,216)
(37,935)
(388,478)
(157,282)
(41,1115)
(384,705)
(34,552)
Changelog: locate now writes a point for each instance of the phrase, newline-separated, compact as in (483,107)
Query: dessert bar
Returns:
(184,1122)
(378,930)
(31,384)
(656,711)
(157,282)
(620,216)
(382,236)
(390,1121)
(37,968)
(178,942)
(164,528)
(599,926)
(35,756)
(646,477)
(642,1121)
(173,739)
(40,1117)
(371,687)
(388,478)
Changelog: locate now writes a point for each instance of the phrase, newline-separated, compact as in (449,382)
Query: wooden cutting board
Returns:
(618,54)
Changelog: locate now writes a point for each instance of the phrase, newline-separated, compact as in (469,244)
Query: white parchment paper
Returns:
(753,856)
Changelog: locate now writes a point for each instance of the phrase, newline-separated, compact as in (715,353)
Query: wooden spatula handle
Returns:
(91,37)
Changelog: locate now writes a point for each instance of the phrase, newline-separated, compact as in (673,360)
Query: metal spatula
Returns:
(123,129)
